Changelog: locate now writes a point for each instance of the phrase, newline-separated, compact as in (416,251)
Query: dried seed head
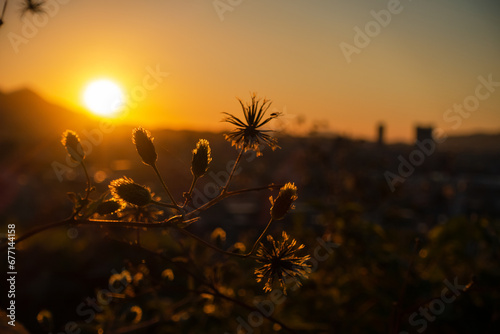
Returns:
(284,201)
(73,146)
(125,190)
(108,207)
(281,262)
(249,134)
(144,144)
(201,158)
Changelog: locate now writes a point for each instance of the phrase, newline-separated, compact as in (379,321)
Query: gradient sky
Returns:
(427,59)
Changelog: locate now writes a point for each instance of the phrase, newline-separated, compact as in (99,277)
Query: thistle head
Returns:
(126,191)
(144,144)
(281,262)
(108,207)
(201,158)
(249,134)
(284,202)
(71,142)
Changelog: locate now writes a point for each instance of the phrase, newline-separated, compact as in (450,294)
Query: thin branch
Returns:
(200,240)
(74,221)
(260,237)
(224,189)
(249,254)
(37,230)
(166,205)
(89,186)
(190,191)
(231,193)
(164,186)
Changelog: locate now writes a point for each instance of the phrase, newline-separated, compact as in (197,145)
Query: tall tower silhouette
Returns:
(380,134)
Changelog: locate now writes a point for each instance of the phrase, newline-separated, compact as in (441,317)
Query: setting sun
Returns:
(103,97)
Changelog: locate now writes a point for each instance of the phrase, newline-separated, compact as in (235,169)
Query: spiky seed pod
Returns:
(144,144)
(201,158)
(281,262)
(125,190)
(71,142)
(249,134)
(108,207)
(284,202)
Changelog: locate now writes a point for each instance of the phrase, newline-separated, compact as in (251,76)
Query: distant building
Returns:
(424,133)
(380,134)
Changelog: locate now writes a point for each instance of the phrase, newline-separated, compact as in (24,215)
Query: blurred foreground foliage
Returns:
(354,289)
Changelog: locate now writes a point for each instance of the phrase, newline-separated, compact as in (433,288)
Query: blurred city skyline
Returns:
(341,66)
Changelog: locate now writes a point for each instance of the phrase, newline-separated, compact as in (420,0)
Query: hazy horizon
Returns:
(287,126)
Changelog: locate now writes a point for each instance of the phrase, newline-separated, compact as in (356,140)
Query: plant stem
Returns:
(72,221)
(88,190)
(221,196)
(37,230)
(224,189)
(190,191)
(165,186)
(249,254)
(118,223)
(166,205)
(260,237)
(200,240)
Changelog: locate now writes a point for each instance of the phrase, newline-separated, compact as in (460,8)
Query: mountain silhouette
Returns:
(25,116)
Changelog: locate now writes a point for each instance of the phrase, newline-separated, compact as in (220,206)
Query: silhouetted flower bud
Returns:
(201,158)
(73,146)
(108,207)
(284,201)
(144,144)
(125,190)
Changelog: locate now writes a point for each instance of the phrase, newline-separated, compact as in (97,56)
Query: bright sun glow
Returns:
(103,97)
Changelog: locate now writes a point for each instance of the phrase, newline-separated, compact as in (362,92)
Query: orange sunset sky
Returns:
(421,59)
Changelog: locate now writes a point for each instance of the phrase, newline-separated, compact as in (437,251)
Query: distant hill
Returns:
(24,116)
